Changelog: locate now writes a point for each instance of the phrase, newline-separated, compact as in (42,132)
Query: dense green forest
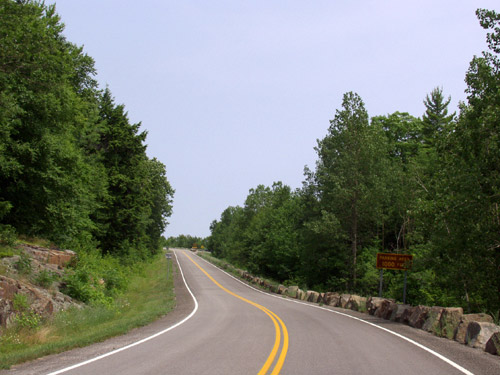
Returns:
(428,186)
(73,169)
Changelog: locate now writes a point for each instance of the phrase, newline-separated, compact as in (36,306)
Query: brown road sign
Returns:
(394,261)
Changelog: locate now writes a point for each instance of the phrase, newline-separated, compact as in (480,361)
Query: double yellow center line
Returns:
(276,321)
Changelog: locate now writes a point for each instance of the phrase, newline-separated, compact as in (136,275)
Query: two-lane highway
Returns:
(231,328)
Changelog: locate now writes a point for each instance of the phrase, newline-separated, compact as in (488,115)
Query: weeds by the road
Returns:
(149,295)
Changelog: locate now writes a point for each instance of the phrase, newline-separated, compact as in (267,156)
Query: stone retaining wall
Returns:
(474,330)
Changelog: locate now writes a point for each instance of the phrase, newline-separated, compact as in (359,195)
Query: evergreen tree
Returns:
(466,241)
(348,176)
(436,118)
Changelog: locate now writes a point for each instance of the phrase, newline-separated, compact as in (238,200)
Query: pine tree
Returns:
(435,118)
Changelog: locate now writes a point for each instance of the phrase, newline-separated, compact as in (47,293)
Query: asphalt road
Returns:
(227,327)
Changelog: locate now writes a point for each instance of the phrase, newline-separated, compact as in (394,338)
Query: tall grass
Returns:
(150,295)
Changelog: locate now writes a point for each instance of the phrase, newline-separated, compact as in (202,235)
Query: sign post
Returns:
(404,289)
(381,283)
(168,256)
(390,261)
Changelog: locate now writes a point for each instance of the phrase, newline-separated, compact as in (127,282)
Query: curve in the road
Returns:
(275,318)
(441,357)
(66,369)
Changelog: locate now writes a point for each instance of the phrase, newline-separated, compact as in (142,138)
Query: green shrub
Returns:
(83,286)
(23,264)
(28,319)
(45,278)
(20,302)
(25,317)
(6,252)
(95,279)
(8,235)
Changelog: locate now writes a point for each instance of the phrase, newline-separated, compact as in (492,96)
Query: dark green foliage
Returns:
(72,167)
(436,118)
(466,247)
(132,214)
(95,279)
(44,107)
(428,186)
(8,235)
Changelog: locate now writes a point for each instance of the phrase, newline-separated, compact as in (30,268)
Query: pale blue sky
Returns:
(235,93)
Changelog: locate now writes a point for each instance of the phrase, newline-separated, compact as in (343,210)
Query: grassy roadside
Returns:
(150,295)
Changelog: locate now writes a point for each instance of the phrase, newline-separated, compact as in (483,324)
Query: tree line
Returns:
(73,168)
(428,186)
(185,241)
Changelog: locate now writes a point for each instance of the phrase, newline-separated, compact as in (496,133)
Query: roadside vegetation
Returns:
(149,295)
(425,185)
(73,169)
(75,172)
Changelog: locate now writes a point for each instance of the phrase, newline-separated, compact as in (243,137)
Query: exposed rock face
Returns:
(493,344)
(373,303)
(42,301)
(449,321)
(479,333)
(60,258)
(331,299)
(461,331)
(356,303)
(419,316)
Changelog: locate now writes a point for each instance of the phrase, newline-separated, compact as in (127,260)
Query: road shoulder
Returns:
(184,306)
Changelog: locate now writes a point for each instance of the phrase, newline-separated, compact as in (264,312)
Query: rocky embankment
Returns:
(19,275)
(475,330)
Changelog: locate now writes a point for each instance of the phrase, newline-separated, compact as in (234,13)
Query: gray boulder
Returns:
(312,296)
(385,309)
(478,333)
(301,294)
(493,344)
(419,316)
(281,289)
(449,321)
(461,331)
(356,303)
(398,312)
(373,303)
(292,291)
(406,315)
(432,322)
(331,299)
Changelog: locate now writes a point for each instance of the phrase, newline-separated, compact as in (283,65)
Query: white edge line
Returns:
(140,341)
(443,358)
